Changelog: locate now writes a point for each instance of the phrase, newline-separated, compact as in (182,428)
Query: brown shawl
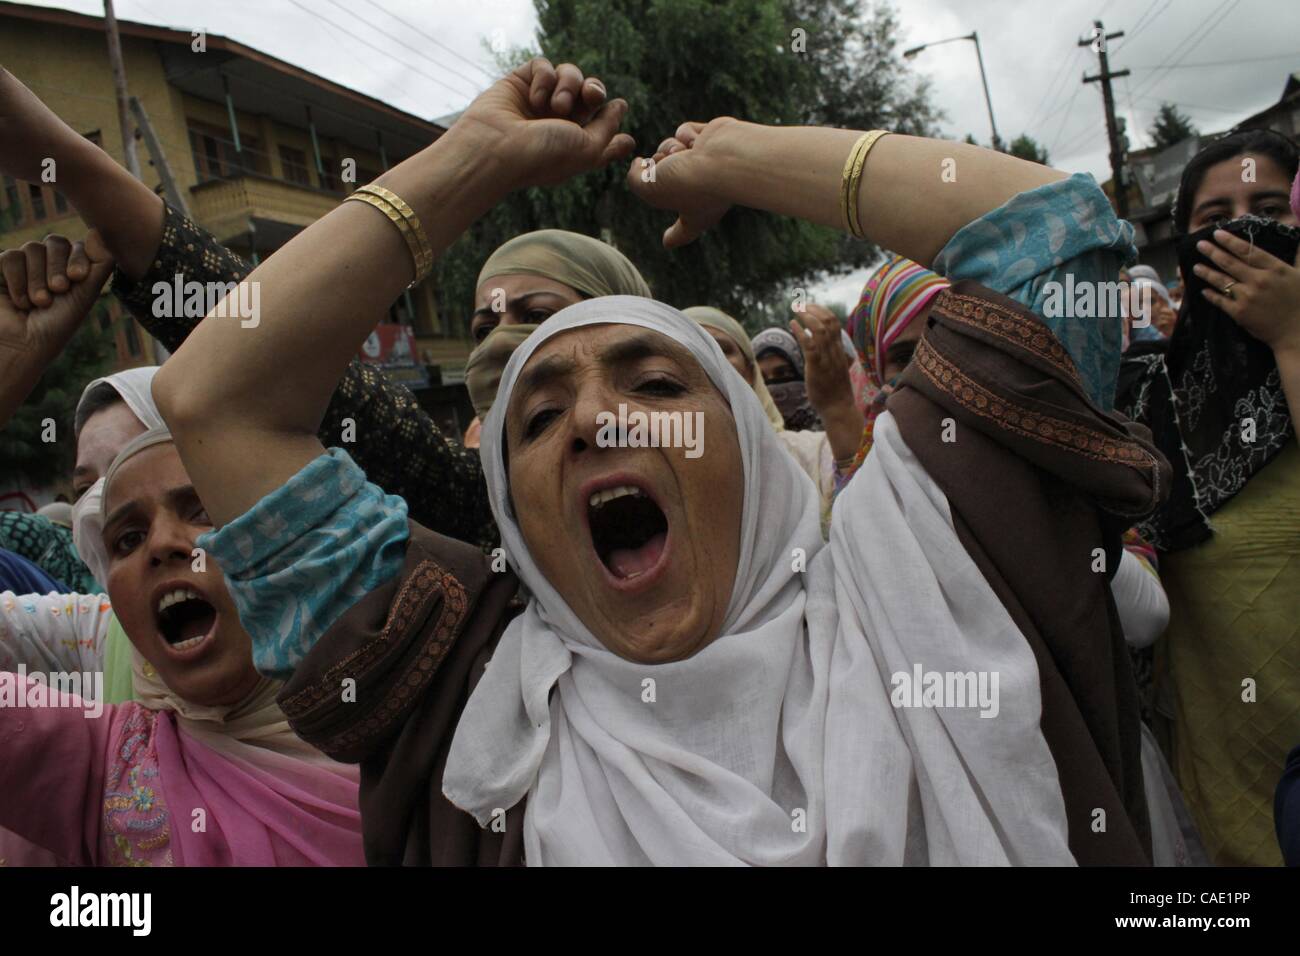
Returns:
(416,647)
(1046,461)
(1037,477)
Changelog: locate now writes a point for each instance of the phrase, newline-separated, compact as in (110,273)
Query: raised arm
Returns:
(398,444)
(235,395)
(915,193)
(124,210)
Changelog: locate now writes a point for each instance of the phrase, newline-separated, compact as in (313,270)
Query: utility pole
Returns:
(119,85)
(159,158)
(132,161)
(1098,43)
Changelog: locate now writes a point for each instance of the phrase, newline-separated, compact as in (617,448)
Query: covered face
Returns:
(645,550)
(525,282)
(731,338)
(533,276)
(181,620)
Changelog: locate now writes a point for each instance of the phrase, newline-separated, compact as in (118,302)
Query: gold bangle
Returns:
(407,212)
(393,216)
(844,183)
(851,181)
(408,224)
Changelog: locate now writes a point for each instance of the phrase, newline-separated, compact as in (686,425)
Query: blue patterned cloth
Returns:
(307,552)
(1040,237)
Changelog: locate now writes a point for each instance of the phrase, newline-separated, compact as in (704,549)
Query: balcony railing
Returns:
(224,206)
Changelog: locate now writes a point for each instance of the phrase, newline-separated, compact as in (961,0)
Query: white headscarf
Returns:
(777,743)
(254,729)
(134,385)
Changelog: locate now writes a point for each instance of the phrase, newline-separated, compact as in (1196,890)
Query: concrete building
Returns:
(258,148)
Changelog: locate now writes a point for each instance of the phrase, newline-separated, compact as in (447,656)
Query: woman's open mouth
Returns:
(185,619)
(629,532)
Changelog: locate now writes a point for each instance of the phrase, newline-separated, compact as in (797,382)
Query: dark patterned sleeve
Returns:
(397,443)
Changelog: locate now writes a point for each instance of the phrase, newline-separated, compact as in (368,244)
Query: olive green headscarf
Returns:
(712,318)
(592,267)
(587,265)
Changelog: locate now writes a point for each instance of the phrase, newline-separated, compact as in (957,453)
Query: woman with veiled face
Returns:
(696,676)
(1220,402)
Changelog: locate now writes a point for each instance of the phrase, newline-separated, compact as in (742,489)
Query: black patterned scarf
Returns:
(1213,401)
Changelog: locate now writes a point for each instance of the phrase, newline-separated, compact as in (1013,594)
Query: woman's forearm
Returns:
(35,142)
(126,212)
(843,424)
(914,195)
(319,297)
(256,388)
(20,371)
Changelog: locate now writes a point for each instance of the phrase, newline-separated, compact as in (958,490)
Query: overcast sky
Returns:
(1219,60)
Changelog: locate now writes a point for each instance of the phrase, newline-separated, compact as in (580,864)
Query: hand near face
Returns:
(678,178)
(826,364)
(1265,290)
(547,124)
(49,288)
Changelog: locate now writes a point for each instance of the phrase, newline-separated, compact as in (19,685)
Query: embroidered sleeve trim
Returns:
(427,583)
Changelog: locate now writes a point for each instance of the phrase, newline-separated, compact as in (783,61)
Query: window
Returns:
(294,162)
(37,196)
(11,207)
(215,156)
(330,177)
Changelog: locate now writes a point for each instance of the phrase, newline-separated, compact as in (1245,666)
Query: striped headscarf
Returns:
(898,292)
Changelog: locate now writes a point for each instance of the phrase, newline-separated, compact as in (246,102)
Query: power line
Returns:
(386,53)
(475,89)
(410,26)
(1204,29)
(1038,116)
(1236,62)
(1065,118)
(473,83)
(1140,25)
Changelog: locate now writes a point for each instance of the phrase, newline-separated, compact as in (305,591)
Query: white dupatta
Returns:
(777,743)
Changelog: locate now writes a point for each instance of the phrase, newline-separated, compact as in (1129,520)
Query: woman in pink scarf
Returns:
(202,768)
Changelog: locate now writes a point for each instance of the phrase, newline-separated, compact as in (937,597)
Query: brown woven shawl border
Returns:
(1046,429)
(1010,326)
(426,582)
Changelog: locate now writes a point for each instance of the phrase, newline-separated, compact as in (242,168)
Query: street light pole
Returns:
(988,100)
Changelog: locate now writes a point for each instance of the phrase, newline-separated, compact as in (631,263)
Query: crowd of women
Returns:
(331,634)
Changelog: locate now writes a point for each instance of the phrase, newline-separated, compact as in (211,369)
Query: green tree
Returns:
(24,453)
(1026,147)
(1170,127)
(770,61)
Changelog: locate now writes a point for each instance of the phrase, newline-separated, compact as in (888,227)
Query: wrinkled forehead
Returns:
(577,350)
(147,475)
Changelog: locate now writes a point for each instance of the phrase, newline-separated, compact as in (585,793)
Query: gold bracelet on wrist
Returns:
(851,181)
(408,224)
